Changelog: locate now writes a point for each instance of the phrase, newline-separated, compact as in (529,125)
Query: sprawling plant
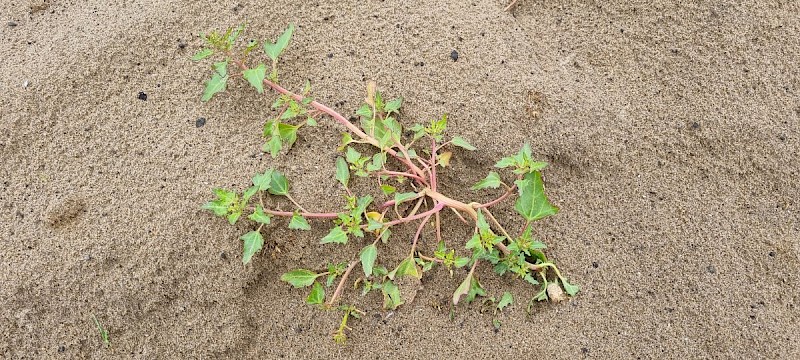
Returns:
(403,162)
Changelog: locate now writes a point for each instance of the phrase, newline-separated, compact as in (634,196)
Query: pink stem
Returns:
(501,198)
(303,214)
(419,231)
(430,212)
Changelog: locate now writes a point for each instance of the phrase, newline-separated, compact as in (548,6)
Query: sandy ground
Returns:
(672,132)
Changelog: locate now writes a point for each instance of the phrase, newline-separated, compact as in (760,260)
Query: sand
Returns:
(672,132)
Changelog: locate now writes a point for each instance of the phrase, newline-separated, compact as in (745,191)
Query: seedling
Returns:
(403,163)
(103,332)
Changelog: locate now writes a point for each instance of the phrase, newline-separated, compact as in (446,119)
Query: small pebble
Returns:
(25,84)
(454,55)
(12,24)
(62,348)
(200,122)
(142,96)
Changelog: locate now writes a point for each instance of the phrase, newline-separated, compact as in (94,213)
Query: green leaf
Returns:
(474,242)
(279,185)
(385,235)
(374,225)
(300,277)
(336,235)
(378,101)
(365,111)
(202,54)
(248,194)
(342,171)
(388,189)
(232,217)
(462,261)
(536,166)
(311,122)
(298,222)
(363,202)
(224,202)
(490,181)
(569,288)
(532,203)
(217,208)
(288,133)
(273,146)
(460,142)
(368,255)
(475,290)
(275,50)
(505,300)
(317,295)
(401,197)
(233,34)
(408,267)
(218,81)
(393,105)
(264,180)
(259,216)
(253,242)
(377,162)
(391,296)
(506,162)
(352,155)
(531,279)
(256,76)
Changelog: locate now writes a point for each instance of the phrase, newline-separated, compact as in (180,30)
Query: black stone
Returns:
(12,24)
(454,55)
(200,122)
(142,96)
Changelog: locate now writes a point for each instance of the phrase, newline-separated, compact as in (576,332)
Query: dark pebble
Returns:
(771,254)
(330,55)
(223,255)
(142,96)
(62,348)
(711,269)
(695,125)
(585,350)
(454,55)
(200,122)
(12,24)
(595,264)
(181,45)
